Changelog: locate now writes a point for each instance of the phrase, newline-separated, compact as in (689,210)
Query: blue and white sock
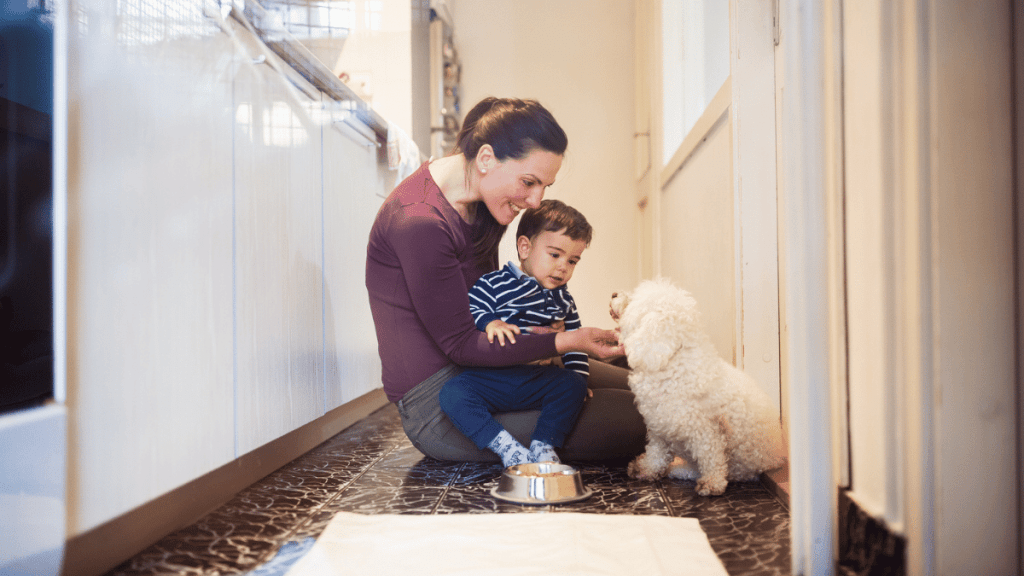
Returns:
(509,449)
(543,452)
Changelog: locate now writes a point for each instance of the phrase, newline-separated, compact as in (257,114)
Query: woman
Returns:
(435,235)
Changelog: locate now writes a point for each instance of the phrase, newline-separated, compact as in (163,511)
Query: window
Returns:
(695,56)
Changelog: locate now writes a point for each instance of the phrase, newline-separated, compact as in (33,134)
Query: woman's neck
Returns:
(449,173)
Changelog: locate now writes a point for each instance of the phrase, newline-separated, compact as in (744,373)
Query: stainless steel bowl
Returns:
(541,483)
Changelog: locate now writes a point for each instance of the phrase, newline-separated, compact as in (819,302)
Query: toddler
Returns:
(550,241)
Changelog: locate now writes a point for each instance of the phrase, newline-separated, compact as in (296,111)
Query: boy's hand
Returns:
(502,330)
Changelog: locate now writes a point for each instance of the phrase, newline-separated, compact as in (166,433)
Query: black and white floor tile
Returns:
(372,468)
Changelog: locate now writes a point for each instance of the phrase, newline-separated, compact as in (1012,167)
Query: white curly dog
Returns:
(696,405)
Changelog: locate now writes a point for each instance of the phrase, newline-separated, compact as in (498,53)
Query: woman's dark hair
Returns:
(555,216)
(513,128)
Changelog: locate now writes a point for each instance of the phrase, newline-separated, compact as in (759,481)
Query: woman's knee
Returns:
(604,375)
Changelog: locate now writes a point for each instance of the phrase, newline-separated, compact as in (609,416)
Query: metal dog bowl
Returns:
(541,483)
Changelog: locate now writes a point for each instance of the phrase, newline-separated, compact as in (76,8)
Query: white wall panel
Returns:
(149,295)
(278,256)
(697,234)
(352,196)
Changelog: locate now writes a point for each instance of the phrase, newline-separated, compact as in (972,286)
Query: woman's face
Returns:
(510,186)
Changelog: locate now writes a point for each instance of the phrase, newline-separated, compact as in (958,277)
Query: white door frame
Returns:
(754,161)
(804,253)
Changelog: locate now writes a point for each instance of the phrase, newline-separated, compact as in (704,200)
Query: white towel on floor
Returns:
(542,544)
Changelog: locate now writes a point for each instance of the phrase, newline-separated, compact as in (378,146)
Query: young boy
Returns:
(550,240)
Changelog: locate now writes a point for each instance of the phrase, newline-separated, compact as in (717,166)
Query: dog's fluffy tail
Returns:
(762,446)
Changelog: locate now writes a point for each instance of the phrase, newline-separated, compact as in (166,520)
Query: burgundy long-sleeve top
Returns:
(419,268)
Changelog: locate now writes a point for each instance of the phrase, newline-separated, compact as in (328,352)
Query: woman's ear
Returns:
(523,246)
(485,159)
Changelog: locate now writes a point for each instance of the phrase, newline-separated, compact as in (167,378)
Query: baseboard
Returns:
(777,482)
(866,545)
(99,550)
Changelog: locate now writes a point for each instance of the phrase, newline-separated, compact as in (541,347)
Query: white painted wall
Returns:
(218,220)
(697,218)
(716,205)
(576,58)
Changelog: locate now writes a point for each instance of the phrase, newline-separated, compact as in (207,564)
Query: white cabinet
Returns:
(218,221)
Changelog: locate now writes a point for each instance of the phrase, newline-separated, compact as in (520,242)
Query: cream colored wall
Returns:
(218,220)
(576,58)
(646,72)
(696,238)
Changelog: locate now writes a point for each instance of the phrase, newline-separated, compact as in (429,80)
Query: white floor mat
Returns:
(547,544)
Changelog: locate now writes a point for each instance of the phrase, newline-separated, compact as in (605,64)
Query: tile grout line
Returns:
(447,488)
(665,499)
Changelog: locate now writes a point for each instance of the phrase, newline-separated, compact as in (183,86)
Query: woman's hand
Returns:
(591,341)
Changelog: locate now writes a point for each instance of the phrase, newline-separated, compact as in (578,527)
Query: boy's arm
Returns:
(575,361)
(481,305)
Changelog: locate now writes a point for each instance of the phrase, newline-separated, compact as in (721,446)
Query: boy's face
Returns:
(551,257)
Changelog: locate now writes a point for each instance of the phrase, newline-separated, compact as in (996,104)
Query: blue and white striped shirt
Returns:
(516,298)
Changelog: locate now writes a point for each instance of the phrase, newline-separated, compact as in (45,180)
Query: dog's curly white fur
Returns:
(696,405)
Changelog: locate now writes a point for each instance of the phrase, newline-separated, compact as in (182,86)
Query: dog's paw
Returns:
(639,469)
(711,486)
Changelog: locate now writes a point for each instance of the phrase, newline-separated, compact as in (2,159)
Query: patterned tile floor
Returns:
(372,468)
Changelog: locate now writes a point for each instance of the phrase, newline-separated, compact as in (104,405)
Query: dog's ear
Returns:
(652,343)
(617,305)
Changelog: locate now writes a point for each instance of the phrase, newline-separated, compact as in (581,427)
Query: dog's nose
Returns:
(615,294)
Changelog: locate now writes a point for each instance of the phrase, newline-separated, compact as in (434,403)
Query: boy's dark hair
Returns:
(555,216)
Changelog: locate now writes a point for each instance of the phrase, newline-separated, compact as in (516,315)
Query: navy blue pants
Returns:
(471,398)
